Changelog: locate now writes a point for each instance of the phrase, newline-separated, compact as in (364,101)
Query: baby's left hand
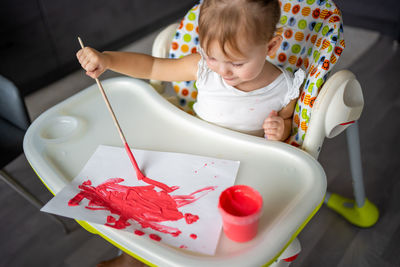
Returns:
(274,126)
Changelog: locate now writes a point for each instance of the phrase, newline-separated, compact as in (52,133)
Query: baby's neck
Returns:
(268,74)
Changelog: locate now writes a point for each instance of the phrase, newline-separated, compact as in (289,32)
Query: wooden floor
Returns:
(31,238)
(328,240)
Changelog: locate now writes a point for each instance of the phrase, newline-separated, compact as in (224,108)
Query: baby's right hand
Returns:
(94,62)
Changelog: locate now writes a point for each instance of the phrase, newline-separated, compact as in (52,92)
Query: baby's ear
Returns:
(274,44)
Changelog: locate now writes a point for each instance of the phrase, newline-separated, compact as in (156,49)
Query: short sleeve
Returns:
(294,87)
(202,69)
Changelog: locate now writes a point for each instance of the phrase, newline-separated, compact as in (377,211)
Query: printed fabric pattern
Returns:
(313,40)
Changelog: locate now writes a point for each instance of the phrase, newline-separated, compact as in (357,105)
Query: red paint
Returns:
(190,218)
(182,246)
(290,259)
(134,163)
(142,204)
(205,165)
(155,237)
(142,177)
(193,236)
(138,232)
(188,199)
(110,219)
(240,202)
(349,122)
(240,207)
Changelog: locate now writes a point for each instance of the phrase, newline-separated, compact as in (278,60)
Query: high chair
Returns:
(292,183)
(313,40)
(61,140)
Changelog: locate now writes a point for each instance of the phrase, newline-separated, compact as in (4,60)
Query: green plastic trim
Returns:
(365,216)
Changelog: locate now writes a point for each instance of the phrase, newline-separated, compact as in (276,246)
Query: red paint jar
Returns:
(240,207)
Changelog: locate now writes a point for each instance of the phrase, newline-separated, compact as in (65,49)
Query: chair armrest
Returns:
(338,105)
(161,47)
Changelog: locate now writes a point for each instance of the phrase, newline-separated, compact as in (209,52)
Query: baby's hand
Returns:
(94,62)
(274,126)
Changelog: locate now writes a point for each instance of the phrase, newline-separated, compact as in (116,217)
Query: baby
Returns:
(237,87)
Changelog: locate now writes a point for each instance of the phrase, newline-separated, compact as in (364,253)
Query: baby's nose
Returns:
(225,70)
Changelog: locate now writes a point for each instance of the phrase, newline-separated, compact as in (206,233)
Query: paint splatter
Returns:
(138,232)
(193,236)
(155,237)
(190,218)
(204,166)
(142,204)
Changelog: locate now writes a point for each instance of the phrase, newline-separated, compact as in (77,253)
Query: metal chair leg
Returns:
(361,211)
(20,189)
(353,146)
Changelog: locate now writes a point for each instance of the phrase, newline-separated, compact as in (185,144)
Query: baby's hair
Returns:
(225,21)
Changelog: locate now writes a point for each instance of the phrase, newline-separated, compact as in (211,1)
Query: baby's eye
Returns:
(237,65)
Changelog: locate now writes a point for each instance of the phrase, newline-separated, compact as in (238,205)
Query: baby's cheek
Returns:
(247,74)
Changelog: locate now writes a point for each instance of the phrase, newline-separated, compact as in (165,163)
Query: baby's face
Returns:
(237,70)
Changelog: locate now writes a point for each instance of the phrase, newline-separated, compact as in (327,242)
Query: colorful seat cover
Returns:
(313,40)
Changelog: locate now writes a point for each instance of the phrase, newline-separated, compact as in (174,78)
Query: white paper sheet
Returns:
(188,172)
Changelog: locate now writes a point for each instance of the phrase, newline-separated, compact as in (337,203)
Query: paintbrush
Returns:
(139,174)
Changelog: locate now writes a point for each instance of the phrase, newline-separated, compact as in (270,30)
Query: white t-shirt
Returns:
(224,105)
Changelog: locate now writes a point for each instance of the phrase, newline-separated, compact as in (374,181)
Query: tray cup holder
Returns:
(60,129)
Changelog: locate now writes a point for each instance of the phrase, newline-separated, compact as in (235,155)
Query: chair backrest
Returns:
(313,40)
(14,121)
(12,105)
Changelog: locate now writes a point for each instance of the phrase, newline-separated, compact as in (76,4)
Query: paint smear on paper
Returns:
(142,204)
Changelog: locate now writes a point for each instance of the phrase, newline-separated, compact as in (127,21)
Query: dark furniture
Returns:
(39,38)
(14,121)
